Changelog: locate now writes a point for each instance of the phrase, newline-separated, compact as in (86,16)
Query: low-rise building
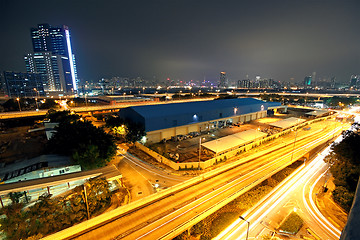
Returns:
(166,120)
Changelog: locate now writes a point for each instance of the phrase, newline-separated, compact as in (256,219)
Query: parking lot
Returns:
(183,148)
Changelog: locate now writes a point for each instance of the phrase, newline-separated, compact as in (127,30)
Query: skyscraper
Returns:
(307,81)
(223,80)
(354,79)
(54,69)
(53,58)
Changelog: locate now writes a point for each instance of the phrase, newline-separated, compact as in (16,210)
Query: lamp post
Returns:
(248,223)
(86,202)
(18,100)
(199,152)
(258,134)
(85,101)
(37,95)
(292,154)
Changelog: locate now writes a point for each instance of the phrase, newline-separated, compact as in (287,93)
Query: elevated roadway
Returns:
(168,213)
(23,114)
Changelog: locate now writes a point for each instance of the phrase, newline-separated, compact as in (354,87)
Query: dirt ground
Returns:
(17,144)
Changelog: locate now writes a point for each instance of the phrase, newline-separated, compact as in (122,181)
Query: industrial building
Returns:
(166,120)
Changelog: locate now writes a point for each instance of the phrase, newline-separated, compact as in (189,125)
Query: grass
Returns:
(292,224)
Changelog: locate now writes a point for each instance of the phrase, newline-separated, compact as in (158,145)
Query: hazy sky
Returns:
(190,39)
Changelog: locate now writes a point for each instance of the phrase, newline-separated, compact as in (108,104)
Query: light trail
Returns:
(281,192)
(293,183)
(162,208)
(317,215)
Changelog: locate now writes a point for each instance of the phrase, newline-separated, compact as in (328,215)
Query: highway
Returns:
(117,106)
(296,193)
(169,212)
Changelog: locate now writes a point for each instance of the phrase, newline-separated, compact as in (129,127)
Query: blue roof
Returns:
(162,116)
(158,110)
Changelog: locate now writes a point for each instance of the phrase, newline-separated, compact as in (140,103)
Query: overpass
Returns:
(168,213)
(99,108)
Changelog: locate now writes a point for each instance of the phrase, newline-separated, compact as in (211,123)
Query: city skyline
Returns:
(195,40)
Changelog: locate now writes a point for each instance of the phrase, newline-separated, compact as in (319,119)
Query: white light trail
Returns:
(309,171)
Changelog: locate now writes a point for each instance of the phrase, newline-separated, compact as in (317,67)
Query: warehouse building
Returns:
(166,120)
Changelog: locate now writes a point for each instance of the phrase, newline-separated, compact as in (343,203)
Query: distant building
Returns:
(53,58)
(245,83)
(354,81)
(23,84)
(307,81)
(223,80)
(2,86)
(333,82)
(314,80)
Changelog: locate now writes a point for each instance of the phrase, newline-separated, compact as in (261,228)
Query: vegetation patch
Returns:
(49,215)
(222,221)
(345,167)
(89,146)
(292,224)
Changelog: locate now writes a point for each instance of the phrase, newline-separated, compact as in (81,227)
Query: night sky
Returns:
(190,39)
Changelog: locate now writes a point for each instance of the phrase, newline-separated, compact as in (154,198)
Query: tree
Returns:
(61,116)
(98,194)
(344,197)
(88,157)
(131,131)
(345,167)
(49,103)
(11,105)
(71,138)
(13,224)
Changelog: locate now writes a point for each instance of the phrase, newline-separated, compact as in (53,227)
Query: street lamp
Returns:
(258,134)
(18,100)
(86,202)
(36,98)
(247,233)
(292,154)
(85,101)
(199,152)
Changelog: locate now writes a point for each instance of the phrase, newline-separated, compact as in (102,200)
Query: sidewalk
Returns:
(335,214)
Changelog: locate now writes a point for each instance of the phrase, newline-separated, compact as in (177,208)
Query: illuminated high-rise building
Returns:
(223,80)
(53,58)
(354,79)
(308,82)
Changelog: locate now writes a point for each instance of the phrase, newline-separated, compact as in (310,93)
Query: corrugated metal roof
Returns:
(149,111)
(233,141)
(288,122)
(179,114)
